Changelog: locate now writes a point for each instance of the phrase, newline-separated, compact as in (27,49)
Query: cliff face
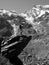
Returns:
(38,17)
(34,23)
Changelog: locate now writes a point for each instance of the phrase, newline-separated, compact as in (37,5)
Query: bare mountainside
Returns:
(38,17)
(25,35)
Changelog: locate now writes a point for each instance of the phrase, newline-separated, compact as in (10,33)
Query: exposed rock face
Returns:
(34,23)
(38,17)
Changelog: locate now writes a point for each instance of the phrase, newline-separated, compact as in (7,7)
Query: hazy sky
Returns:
(20,5)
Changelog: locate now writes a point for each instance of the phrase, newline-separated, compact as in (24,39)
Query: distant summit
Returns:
(34,13)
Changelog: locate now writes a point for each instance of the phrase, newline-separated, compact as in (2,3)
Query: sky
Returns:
(21,6)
